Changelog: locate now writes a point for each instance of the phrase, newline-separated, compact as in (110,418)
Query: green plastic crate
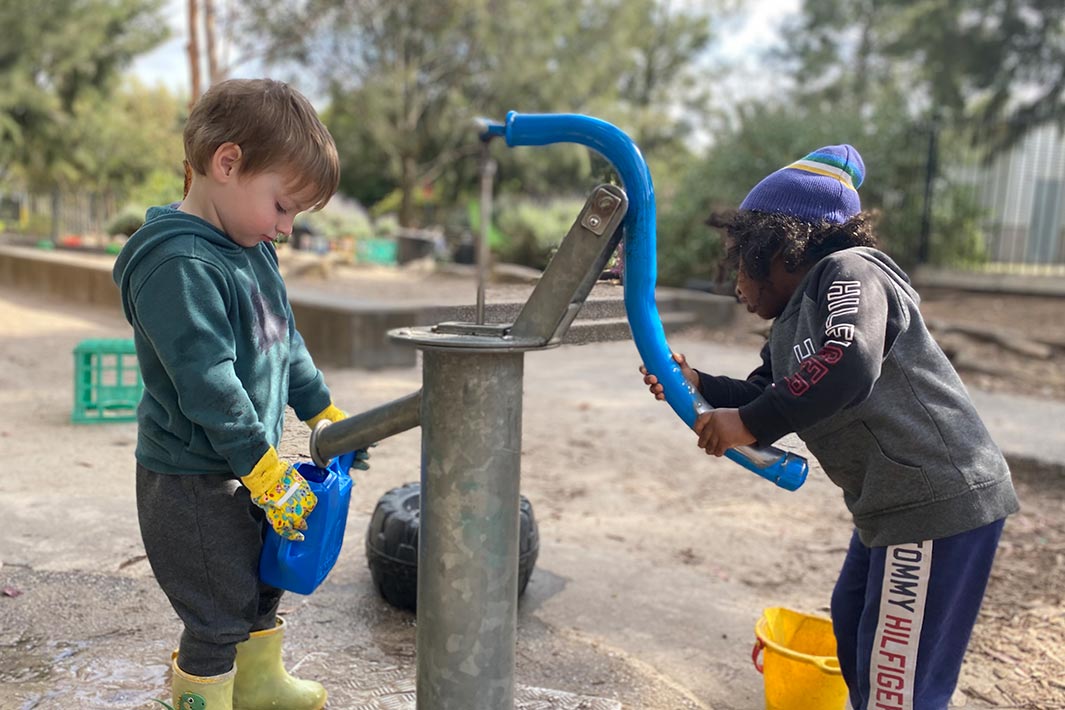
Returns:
(376,251)
(107,381)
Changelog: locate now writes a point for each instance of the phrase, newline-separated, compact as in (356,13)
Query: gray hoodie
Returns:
(851,368)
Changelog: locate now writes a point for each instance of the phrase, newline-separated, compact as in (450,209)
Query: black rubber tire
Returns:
(392,545)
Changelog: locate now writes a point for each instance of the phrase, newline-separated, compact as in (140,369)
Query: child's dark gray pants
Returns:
(203,537)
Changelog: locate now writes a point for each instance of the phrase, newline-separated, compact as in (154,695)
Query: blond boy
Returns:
(221,359)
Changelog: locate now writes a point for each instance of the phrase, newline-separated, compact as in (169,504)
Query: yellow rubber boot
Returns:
(262,683)
(190,692)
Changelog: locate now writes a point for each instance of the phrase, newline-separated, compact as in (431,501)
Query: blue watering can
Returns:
(300,566)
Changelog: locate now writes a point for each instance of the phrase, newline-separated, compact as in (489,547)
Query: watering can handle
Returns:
(785,469)
(755,652)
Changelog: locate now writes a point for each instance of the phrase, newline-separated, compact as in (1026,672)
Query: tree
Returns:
(196,51)
(1001,62)
(415,72)
(766,136)
(55,54)
(118,141)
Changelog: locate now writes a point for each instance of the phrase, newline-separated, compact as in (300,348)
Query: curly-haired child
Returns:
(850,367)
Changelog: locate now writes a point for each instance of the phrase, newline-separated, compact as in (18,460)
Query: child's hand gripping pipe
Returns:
(785,469)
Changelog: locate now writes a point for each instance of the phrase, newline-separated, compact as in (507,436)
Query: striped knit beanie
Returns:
(823,186)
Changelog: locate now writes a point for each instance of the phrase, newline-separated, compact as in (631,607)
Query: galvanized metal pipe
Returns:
(468,550)
(365,428)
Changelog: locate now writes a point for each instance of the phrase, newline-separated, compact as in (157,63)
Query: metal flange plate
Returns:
(486,338)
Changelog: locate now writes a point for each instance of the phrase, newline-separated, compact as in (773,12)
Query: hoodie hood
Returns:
(874,257)
(889,267)
(165,231)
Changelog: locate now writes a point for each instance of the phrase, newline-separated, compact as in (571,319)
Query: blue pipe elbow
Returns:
(641,270)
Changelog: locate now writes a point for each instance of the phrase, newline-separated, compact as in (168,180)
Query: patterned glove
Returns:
(280,490)
(330,414)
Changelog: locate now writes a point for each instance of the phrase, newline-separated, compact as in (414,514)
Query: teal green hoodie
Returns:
(217,346)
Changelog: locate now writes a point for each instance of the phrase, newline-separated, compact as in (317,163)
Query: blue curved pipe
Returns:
(641,269)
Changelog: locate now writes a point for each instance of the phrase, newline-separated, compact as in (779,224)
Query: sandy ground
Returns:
(655,560)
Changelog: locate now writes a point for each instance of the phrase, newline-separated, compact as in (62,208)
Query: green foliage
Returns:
(393,201)
(405,78)
(767,137)
(387,225)
(531,229)
(365,172)
(36,224)
(959,236)
(496,239)
(126,222)
(1001,62)
(56,56)
(130,142)
(338,219)
(161,186)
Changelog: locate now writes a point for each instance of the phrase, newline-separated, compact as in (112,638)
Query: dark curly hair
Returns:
(754,238)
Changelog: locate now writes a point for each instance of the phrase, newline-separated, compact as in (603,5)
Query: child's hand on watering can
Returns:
(656,387)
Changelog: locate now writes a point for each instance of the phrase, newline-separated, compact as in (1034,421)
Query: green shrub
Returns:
(386,225)
(126,222)
(530,230)
(160,187)
(339,219)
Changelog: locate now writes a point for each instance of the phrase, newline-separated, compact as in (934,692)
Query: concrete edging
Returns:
(350,333)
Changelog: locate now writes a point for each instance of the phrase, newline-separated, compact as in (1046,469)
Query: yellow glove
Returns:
(329,414)
(280,490)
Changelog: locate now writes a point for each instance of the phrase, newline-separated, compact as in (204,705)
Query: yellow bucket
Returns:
(800,667)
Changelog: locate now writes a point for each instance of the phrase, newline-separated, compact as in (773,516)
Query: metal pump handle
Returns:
(785,469)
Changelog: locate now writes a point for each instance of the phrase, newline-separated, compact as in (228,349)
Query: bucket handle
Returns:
(829,665)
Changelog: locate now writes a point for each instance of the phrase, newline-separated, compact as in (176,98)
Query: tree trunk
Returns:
(194,52)
(214,73)
(408,184)
(57,213)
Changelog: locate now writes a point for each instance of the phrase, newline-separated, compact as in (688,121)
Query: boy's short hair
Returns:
(276,128)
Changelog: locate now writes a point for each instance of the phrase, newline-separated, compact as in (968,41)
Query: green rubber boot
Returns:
(190,692)
(262,683)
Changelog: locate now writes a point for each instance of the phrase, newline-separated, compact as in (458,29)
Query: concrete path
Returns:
(1025,428)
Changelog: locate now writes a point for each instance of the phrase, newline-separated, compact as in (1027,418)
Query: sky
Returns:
(739,40)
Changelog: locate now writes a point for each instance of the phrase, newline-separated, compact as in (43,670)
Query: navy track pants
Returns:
(903,615)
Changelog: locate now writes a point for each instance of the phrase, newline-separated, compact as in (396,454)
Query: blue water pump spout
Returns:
(785,469)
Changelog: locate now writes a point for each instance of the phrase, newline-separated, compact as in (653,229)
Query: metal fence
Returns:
(47,215)
(1019,195)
